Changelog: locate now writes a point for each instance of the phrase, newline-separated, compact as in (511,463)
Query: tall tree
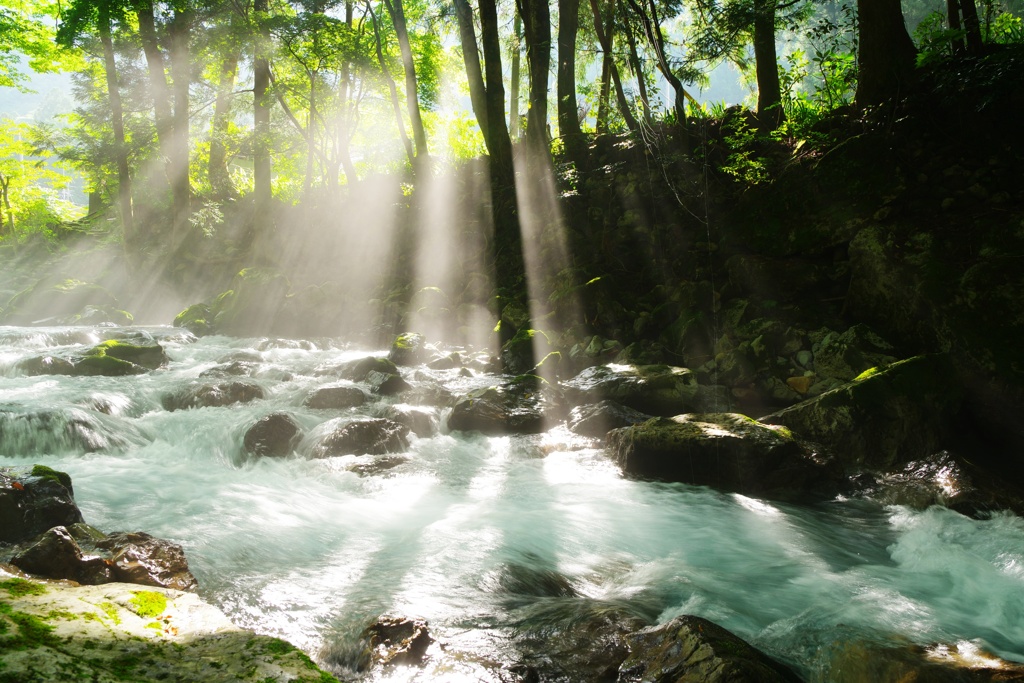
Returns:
(516,78)
(770,113)
(537,28)
(604,36)
(261,119)
(397,12)
(568,112)
(647,12)
(392,88)
(886,56)
(80,18)
(474,72)
(178,33)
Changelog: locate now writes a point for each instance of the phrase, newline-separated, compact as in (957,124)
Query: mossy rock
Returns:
(56,299)
(197,319)
(690,648)
(653,389)
(883,419)
(408,349)
(726,451)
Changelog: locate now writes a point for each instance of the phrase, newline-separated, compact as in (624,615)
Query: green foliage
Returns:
(1006,29)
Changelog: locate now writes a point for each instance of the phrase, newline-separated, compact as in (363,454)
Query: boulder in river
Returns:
(863,661)
(882,419)
(336,397)
(653,389)
(111,358)
(726,451)
(690,648)
(33,501)
(117,632)
(273,435)
(408,349)
(56,555)
(363,437)
(421,420)
(516,407)
(597,419)
(395,641)
(140,558)
(203,395)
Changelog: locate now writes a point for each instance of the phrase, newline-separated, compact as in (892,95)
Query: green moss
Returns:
(44,472)
(20,587)
(149,603)
(276,646)
(110,609)
(870,372)
(102,364)
(156,626)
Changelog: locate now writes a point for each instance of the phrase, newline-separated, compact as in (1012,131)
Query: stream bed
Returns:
(504,545)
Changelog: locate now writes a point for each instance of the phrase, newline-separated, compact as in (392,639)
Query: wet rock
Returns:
(396,641)
(516,407)
(376,465)
(597,419)
(34,501)
(882,420)
(449,362)
(143,559)
(336,398)
(653,389)
(408,349)
(359,370)
(422,421)
(690,648)
(237,368)
(56,555)
(727,451)
(117,632)
(46,365)
(363,437)
(386,384)
(196,319)
(274,436)
(212,395)
(868,662)
(845,356)
(150,356)
(942,479)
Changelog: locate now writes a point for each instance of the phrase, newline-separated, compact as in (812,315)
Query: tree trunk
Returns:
(607,39)
(217,167)
(513,103)
(157,82)
(638,72)
(508,257)
(474,72)
(648,16)
(178,37)
(392,88)
(537,26)
(568,111)
(957,40)
(124,179)
(5,184)
(885,59)
(412,102)
(770,113)
(310,136)
(262,193)
(973,27)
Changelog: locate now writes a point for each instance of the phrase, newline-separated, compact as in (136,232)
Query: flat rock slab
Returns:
(54,631)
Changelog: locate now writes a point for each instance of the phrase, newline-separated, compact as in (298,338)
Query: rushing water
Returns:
(311,551)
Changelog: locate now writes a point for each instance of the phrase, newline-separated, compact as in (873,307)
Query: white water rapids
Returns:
(310,551)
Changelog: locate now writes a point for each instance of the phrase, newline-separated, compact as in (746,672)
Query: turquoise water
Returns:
(312,551)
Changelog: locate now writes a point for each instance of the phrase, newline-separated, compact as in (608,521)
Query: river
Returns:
(500,543)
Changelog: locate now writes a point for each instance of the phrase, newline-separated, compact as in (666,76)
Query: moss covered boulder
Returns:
(119,632)
(726,451)
(408,348)
(33,500)
(112,358)
(653,389)
(690,648)
(885,418)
